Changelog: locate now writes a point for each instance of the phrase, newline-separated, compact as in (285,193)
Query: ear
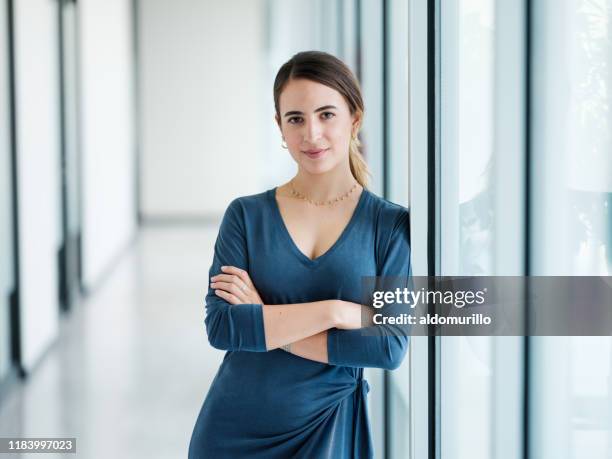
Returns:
(278,122)
(357,118)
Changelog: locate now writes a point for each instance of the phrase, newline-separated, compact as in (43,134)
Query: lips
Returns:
(314,154)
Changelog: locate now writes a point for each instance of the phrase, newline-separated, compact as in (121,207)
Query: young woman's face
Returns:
(317,125)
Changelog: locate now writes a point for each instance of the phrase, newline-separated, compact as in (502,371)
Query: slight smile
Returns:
(315,154)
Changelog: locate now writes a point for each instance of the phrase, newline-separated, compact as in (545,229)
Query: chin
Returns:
(316,169)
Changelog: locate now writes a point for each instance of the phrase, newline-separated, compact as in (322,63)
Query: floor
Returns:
(131,368)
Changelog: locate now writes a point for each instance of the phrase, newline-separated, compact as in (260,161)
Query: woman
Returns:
(286,284)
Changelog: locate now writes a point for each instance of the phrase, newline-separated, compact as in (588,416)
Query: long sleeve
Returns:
(378,346)
(233,327)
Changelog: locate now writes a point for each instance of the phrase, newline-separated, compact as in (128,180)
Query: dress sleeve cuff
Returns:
(333,344)
(249,319)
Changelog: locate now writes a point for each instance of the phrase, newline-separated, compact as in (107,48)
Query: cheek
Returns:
(339,135)
(293,136)
(294,143)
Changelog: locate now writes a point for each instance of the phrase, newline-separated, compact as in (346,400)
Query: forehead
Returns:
(306,95)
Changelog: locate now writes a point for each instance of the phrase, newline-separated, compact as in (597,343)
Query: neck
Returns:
(321,187)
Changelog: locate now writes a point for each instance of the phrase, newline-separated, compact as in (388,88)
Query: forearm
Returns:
(316,347)
(377,348)
(291,323)
(311,348)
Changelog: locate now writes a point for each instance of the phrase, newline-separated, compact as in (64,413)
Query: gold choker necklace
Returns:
(329,202)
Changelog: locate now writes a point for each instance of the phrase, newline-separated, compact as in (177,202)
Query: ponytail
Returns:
(359,167)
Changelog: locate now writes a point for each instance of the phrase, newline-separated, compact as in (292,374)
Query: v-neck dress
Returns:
(273,404)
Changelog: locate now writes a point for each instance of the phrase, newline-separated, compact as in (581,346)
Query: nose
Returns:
(312,131)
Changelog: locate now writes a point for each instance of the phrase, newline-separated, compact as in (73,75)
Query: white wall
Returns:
(37,116)
(108,181)
(202,63)
(292,27)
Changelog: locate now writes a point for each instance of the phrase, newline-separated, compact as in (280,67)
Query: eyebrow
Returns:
(325,107)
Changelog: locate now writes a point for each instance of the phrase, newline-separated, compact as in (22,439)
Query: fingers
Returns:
(241,273)
(237,290)
(230,283)
(229,278)
(232,299)
(234,285)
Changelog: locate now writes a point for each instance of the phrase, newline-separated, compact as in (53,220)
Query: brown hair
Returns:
(326,69)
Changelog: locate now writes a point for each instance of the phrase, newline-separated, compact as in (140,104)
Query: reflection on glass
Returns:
(397,188)
(466,369)
(572,380)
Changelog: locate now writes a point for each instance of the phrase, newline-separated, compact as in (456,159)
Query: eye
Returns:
(328,115)
(294,120)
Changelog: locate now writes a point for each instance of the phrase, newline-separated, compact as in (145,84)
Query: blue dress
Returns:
(273,404)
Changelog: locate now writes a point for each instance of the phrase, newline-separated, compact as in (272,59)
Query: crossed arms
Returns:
(325,331)
(299,328)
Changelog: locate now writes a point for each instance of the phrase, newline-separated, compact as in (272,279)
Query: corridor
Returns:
(131,367)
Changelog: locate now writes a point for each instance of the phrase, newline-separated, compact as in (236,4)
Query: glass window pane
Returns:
(6,217)
(397,101)
(371,55)
(398,173)
(468,212)
(572,189)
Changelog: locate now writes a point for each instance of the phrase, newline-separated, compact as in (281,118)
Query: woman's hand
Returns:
(350,316)
(235,286)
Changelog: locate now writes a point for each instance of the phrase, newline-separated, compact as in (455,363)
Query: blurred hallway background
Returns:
(127,127)
(130,366)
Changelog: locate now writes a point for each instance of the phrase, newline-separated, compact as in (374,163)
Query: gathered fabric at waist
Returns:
(277,405)
(286,391)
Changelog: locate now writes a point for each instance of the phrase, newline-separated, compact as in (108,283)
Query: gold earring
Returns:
(284,144)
